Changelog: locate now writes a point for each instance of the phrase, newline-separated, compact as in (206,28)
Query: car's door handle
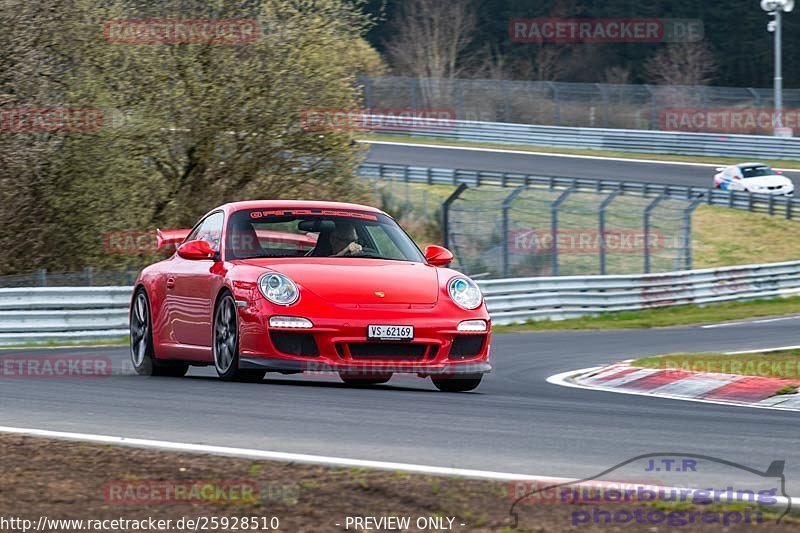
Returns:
(170,283)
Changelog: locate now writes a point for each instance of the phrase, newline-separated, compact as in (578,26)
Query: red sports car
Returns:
(291,287)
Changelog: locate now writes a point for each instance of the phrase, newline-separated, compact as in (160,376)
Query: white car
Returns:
(753,177)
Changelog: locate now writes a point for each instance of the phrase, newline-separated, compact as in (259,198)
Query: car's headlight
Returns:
(278,289)
(465,293)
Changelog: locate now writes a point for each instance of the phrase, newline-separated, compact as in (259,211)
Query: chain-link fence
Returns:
(597,105)
(537,231)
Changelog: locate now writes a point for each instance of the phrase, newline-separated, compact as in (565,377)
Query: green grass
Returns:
(670,316)
(784,364)
(121,341)
(780,163)
(725,237)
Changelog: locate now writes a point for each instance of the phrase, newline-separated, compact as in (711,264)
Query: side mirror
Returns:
(196,250)
(438,256)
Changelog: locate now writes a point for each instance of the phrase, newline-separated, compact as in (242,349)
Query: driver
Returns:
(343,240)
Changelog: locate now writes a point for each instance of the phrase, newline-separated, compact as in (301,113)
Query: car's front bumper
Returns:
(273,364)
(338,341)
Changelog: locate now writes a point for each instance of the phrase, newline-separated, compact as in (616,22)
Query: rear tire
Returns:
(226,343)
(142,352)
(463,383)
(356,380)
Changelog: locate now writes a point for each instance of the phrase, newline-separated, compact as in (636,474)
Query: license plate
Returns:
(390,333)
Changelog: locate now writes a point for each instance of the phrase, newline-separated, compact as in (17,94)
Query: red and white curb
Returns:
(676,384)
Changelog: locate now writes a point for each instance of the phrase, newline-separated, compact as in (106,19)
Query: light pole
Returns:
(775,8)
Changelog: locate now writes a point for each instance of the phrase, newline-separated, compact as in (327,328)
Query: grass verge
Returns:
(669,316)
(121,341)
(82,481)
(778,163)
(783,364)
(725,237)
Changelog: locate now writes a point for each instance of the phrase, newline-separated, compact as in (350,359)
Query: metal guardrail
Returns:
(63,314)
(788,207)
(621,140)
(84,314)
(589,105)
(558,298)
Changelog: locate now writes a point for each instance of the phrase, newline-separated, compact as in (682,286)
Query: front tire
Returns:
(463,383)
(142,351)
(226,343)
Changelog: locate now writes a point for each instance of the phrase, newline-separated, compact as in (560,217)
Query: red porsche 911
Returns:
(292,286)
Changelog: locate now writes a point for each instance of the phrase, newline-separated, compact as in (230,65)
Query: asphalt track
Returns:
(549,165)
(515,422)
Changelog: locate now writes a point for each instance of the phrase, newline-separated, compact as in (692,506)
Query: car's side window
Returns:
(209,230)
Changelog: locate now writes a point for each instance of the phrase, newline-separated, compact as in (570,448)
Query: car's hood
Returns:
(769,181)
(360,280)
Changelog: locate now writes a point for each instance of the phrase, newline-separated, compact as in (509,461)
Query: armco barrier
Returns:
(557,298)
(84,314)
(788,207)
(644,141)
(63,314)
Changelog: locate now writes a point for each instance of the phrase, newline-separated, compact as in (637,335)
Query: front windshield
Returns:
(317,233)
(754,172)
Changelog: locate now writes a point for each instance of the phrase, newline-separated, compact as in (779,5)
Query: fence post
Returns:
(556,99)
(652,205)
(606,102)
(654,120)
(41,276)
(87,273)
(506,207)
(506,102)
(459,110)
(602,229)
(554,227)
(446,213)
(687,232)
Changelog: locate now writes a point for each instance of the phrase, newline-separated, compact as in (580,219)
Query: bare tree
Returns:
(682,64)
(547,64)
(430,37)
(617,75)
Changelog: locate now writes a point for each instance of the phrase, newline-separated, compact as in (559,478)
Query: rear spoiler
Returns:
(170,238)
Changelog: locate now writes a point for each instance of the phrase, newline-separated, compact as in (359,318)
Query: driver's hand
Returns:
(353,248)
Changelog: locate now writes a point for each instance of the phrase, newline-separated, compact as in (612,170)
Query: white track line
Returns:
(765,350)
(278,456)
(552,154)
(324,460)
(562,380)
(746,322)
